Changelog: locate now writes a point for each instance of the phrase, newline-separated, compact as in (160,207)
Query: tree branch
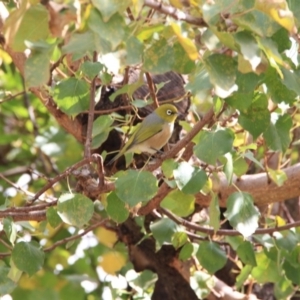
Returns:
(258,186)
(88,141)
(175,13)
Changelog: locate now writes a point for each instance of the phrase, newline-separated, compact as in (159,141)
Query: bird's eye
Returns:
(169,112)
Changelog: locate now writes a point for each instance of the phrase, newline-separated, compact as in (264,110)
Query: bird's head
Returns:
(168,112)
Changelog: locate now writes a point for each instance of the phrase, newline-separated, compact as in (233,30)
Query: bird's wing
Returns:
(147,132)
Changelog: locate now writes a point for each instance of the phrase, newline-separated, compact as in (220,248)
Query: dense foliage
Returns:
(217,213)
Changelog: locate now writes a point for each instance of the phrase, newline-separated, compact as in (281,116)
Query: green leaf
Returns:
(277,89)
(234,241)
(277,135)
(286,239)
(75,209)
(6,284)
(222,73)
(158,58)
(182,63)
(282,39)
(116,208)
(249,48)
(37,66)
(211,256)
(10,229)
(291,80)
(33,27)
(211,11)
(179,203)
(212,145)
(110,7)
(72,96)
(189,179)
(168,166)
(240,166)
(28,257)
(243,276)
(248,82)
(246,253)
(239,101)
(186,251)
(134,51)
(214,213)
(284,289)
(267,270)
(53,217)
(278,176)
(163,230)
(257,22)
(292,272)
(91,69)
(111,31)
(199,83)
(257,117)
(101,129)
(179,239)
(81,43)
(133,186)
(242,214)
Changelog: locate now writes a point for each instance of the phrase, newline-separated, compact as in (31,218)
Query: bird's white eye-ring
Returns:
(169,112)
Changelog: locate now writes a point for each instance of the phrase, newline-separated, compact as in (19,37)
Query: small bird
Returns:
(152,133)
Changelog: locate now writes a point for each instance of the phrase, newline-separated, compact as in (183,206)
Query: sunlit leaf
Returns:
(189,179)
(241,213)
(75,209)
(179,203)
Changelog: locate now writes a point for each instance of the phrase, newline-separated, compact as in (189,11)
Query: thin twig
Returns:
(226,232)
(152,89)
(88,141)
(75,237)
(175,13)
(6,244)
(61,176)
(11,97)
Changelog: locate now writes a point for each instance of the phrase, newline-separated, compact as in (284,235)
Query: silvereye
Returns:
(153,133)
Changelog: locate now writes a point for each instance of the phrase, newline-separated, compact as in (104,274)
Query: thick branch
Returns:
(259,187)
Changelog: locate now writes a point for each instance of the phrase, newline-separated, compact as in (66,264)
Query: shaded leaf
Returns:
(277,135)
(211,256)
(28,257)
(212,145)
(133,187)
(257,117)
(101,129)
(116,208)
(222,74)
(163,230)
(246,253)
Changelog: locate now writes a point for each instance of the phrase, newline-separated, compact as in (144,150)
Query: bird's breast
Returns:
(157,141)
